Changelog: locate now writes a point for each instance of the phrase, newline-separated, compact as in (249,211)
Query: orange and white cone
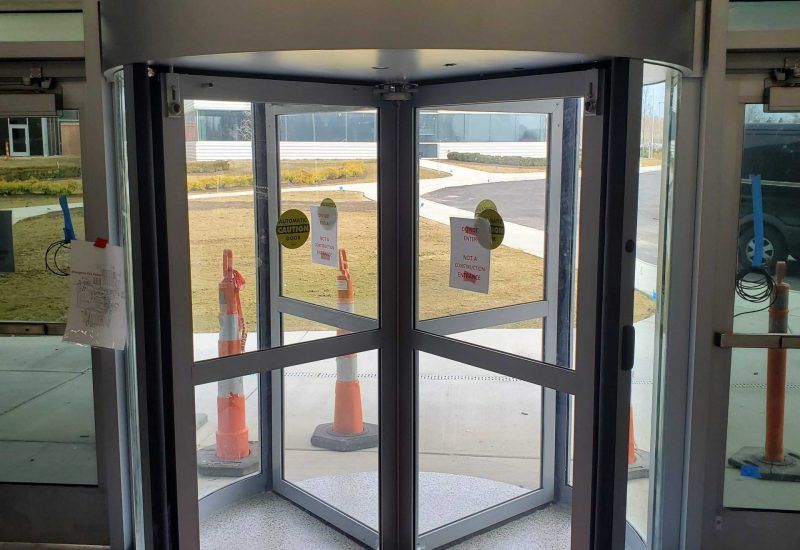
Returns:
(638,459)
(232,434)
(347,416)
(348,432)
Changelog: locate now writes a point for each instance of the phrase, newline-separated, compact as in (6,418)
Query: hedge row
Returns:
(22,173)
(38,187)
(296,177)
(309,177)
(207,166)
(496,159)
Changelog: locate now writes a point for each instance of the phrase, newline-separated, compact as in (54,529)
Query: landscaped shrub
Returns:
(496,159)
(207,166)
(219,182)
(352,169)
(300,176)
(39,187)
(21,173)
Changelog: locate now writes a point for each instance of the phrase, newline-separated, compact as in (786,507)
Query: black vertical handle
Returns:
(628,346)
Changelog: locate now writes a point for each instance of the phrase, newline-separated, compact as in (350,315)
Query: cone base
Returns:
(325,438)
(640,467)
(209,465)
(788,470)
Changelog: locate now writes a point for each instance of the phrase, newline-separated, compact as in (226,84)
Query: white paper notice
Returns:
(324,236)
(97,314)
(469,259)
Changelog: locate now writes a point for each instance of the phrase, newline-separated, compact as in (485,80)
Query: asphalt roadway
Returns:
(523,202)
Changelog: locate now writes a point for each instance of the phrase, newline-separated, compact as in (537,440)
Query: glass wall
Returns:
(763,436)
(653,230)
(47,430)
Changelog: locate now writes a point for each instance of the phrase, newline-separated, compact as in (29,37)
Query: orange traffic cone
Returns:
(348,432)
(232,456)
(232,435)
(638,459)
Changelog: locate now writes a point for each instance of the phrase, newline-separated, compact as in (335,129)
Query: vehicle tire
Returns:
(775,249)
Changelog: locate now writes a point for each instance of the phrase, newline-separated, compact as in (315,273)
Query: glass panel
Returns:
(523,338)
(46,404)
(330,432)
(46,412)
(517,266)
(466,463)
(221,217)
(759,486)
(534,200)
(42,27)
(653,232)
(323,167)
(763,436)
(298,329)
(227,432)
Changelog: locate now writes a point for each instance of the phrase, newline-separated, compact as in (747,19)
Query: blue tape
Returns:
(750,471)
(758,220)
(69,231)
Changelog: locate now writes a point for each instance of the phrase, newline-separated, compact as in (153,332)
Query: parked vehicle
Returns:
(773,152)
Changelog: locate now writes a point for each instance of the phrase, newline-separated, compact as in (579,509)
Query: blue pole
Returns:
(69,232)
(758,220)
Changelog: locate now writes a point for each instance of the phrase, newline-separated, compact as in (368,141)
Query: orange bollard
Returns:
(232,433)
(776,370)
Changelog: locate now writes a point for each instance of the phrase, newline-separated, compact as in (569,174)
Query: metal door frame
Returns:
(26,128)
(186,373)
(717,249)
(610,171)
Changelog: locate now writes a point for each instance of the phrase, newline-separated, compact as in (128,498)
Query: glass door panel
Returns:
(504,362)
(327,166)
(501,164)
(763,435)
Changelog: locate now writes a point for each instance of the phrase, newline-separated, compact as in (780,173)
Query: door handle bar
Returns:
(767,340)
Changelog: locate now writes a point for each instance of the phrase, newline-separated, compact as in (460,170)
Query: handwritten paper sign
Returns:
(97,314)
(469,259)
(324,236)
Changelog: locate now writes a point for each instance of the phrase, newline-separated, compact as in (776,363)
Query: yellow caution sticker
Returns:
(292,228)
(327,213)
(485,204)
(497,229)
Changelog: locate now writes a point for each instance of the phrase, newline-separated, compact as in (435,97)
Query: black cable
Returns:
(51,258)
(755,285)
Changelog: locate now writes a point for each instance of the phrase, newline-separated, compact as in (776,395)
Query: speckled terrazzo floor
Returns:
(267,521)
(443,498)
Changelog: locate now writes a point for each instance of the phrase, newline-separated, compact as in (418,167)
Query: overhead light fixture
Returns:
(450,64)
(380,67)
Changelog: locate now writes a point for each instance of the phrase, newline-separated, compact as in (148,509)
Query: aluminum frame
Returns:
(397,338)
(186,373)
(710,523)
(579,382)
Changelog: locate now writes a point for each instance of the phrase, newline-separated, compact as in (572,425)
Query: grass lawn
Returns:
(650,162)
(494,168)
(32,293)
(358,235)
(15,162)
(20,201)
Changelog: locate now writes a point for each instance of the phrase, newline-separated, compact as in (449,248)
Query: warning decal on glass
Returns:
(469,259)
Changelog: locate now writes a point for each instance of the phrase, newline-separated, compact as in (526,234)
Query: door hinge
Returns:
(590,101)
(628,347)
(173,93)
(402,91)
